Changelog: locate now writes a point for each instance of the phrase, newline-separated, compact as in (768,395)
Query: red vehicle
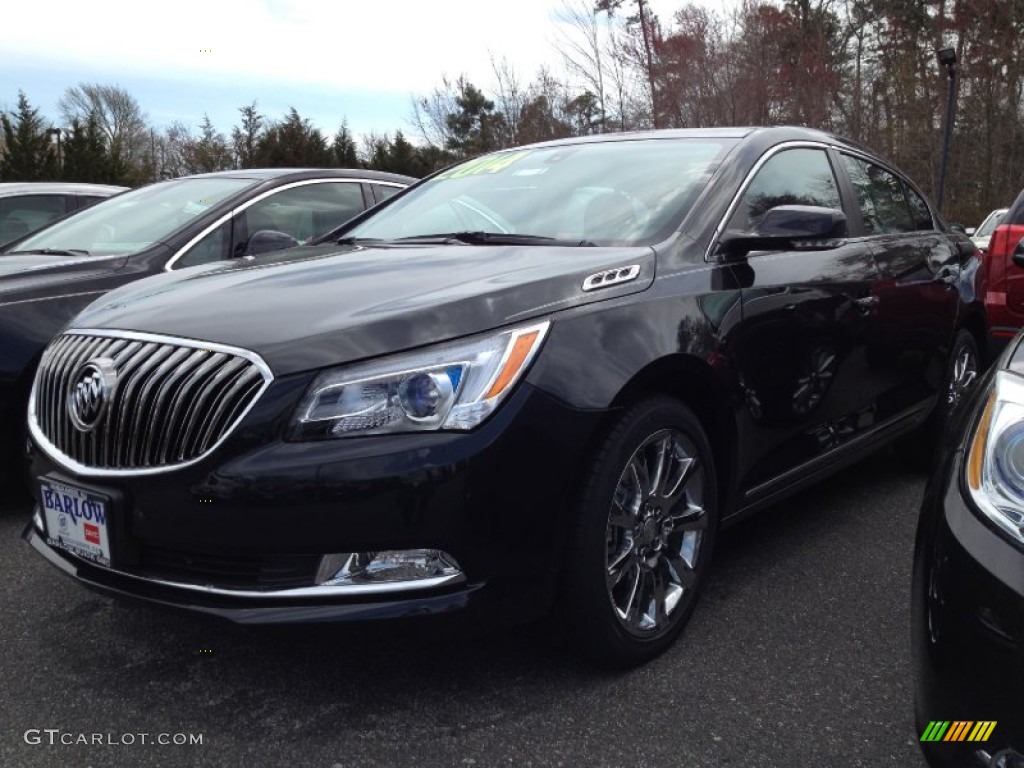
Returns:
(1001,281)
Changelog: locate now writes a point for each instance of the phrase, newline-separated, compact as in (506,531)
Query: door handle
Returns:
(948,277)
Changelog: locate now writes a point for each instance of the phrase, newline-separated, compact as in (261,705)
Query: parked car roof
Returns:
(302,173)
(9,188)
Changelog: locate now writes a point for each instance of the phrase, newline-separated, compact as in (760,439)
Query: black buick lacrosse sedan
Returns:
(545,376)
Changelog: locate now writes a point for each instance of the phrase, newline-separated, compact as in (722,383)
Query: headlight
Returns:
(995,461)
(452,386)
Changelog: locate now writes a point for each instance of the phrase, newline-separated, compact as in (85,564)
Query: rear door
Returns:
(917,299)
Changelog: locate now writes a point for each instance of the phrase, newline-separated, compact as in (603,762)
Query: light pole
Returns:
(947,58)
(60,159)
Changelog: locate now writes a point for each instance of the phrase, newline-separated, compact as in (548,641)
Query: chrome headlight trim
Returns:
(994,466)
(452,386)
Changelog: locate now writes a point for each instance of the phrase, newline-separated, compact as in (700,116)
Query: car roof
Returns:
(772,134)
(10,188)
(298,174)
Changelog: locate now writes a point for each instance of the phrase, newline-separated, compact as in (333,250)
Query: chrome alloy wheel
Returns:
(965,371)
(656,526)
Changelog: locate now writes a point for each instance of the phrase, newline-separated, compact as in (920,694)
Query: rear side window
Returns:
(23,214)
(382,191)
(792,177)
(919,210)
(883,203)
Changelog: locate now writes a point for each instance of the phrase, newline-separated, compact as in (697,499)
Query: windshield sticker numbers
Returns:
(489,164)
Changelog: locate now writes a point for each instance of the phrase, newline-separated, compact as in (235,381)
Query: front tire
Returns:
(645,529)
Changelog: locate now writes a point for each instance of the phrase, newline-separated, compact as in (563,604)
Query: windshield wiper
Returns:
(53,252)
(356,240)
(489,238)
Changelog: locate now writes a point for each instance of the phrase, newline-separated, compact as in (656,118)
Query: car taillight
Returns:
(1004,240)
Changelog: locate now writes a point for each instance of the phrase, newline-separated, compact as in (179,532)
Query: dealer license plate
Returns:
(76,521)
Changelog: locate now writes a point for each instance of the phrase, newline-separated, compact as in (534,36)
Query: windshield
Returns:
(605,193)
(135,220)
(989,225)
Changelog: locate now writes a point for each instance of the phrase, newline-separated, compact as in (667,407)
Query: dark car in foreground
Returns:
(31,205)
(968,587)
(48,277)
(1001,281)
(549,374)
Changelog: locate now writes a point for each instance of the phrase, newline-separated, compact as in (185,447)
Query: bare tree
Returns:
(510,97)
(430,113)
(116,112)
(582,39)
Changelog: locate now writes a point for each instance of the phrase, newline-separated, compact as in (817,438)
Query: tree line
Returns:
(106,139)
(864,69)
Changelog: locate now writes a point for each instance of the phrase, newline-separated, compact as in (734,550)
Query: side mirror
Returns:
(788,227)
(966,249)
(1017,257)
(958,229)
(970,231)
(267,240)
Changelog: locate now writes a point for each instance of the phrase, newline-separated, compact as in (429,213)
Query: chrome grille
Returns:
(172,402)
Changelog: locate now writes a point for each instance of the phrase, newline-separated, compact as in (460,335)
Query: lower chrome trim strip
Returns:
(823,460)
(61,560)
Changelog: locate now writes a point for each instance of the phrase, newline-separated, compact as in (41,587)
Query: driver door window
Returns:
(303,212)
(792,177)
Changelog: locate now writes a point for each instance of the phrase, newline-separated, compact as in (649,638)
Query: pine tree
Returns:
(246,136)
(344,148)
(85,155)
(27,154)
(475,128)
(210,151)
(293,143)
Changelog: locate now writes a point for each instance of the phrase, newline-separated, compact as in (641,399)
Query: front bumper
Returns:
(242,533)
(968,619)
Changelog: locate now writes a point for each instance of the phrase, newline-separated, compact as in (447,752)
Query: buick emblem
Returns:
(91,387)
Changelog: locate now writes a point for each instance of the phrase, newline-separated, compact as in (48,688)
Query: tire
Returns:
(644,533)
(962,372)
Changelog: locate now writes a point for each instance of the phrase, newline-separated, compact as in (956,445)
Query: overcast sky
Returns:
(327,58)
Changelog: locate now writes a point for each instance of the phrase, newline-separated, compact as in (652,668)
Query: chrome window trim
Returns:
(801,144)
(54,453)
(168,267)
(71,263)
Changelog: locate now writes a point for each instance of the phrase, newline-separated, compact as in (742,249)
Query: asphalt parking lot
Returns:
(798,655)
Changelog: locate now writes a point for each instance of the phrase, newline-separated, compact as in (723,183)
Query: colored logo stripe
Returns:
(958,730)
(982,731)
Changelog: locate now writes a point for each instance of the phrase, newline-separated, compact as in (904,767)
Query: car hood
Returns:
(329,307)
(32,272)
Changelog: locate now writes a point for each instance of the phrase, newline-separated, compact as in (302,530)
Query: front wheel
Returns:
(645,528)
